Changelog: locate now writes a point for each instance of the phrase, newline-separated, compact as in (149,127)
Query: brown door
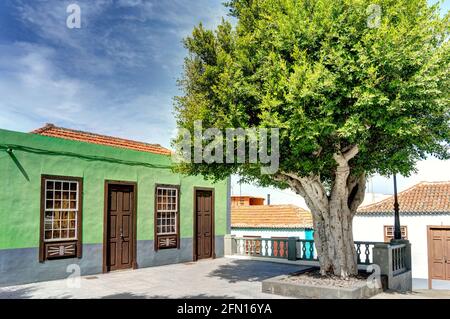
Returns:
(120,233)
(204,224)
(439,253)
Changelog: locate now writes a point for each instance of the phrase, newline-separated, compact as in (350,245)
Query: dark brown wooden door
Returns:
(120,227)
(447,253)
(204,224)
(440,254)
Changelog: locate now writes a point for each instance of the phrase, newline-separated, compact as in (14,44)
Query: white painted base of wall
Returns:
(269,234)
(371,228)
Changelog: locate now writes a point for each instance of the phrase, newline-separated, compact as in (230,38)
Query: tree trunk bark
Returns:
(333,238)
(332,213)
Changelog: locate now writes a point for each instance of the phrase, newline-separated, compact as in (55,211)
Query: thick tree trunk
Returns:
(333,238)
(333,213)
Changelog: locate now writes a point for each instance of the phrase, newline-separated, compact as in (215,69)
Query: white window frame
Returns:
(60,210)
(167,211)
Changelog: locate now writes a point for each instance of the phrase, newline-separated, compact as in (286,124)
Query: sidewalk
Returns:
(217,278)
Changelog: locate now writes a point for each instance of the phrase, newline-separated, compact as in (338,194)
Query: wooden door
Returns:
(120,232)
(204,224)
(447,253)
(439,253)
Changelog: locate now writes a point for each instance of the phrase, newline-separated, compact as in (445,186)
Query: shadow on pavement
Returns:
(140,296)
(252,270)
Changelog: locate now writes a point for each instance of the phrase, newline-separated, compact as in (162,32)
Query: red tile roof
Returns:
(422,198)
(69,134)
(270,216)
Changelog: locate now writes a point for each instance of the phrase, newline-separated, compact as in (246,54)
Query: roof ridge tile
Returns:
(52,130)
(423,197)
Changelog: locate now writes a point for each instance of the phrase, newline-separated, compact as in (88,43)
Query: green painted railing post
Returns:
(292,248)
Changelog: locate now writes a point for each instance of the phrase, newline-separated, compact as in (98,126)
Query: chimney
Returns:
(268,199)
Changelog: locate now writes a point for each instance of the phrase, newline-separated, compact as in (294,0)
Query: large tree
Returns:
(354,93)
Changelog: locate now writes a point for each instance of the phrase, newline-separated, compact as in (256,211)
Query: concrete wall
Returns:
(34,155)
(371,228)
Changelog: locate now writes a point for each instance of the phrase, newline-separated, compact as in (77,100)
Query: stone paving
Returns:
(218,278)
(415,294)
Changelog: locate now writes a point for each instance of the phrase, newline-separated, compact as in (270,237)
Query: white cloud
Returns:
(134,3)
(137,33)
(86,78)
(37,92)
(430,170)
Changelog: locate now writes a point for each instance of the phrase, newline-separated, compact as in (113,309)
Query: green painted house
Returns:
(76,200)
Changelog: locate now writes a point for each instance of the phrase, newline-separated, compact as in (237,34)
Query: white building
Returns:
(425,221)
(250,218)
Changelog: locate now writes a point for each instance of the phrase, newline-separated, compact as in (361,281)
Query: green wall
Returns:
(34,155)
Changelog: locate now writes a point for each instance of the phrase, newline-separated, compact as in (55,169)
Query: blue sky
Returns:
(116,75)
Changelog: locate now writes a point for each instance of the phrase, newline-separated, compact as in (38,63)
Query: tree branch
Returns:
(312,189)
(357,189)
(348,155)
(339,188)
(296,186)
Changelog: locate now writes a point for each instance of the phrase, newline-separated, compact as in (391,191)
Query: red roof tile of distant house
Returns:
(270,216)
(69,134)
(422,198)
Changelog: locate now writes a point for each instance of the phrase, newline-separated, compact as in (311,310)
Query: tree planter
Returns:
(285,286)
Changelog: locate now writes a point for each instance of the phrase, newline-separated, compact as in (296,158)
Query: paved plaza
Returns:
(217,278)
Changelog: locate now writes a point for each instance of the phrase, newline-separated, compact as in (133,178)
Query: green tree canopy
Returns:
(328,81)
(353,93)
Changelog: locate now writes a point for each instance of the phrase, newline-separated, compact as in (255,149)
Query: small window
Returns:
(166,217)
(60,217)
(389,233)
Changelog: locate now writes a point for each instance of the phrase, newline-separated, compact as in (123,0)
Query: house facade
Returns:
(250,218)
(246,201)
(425,222)
(75,199)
